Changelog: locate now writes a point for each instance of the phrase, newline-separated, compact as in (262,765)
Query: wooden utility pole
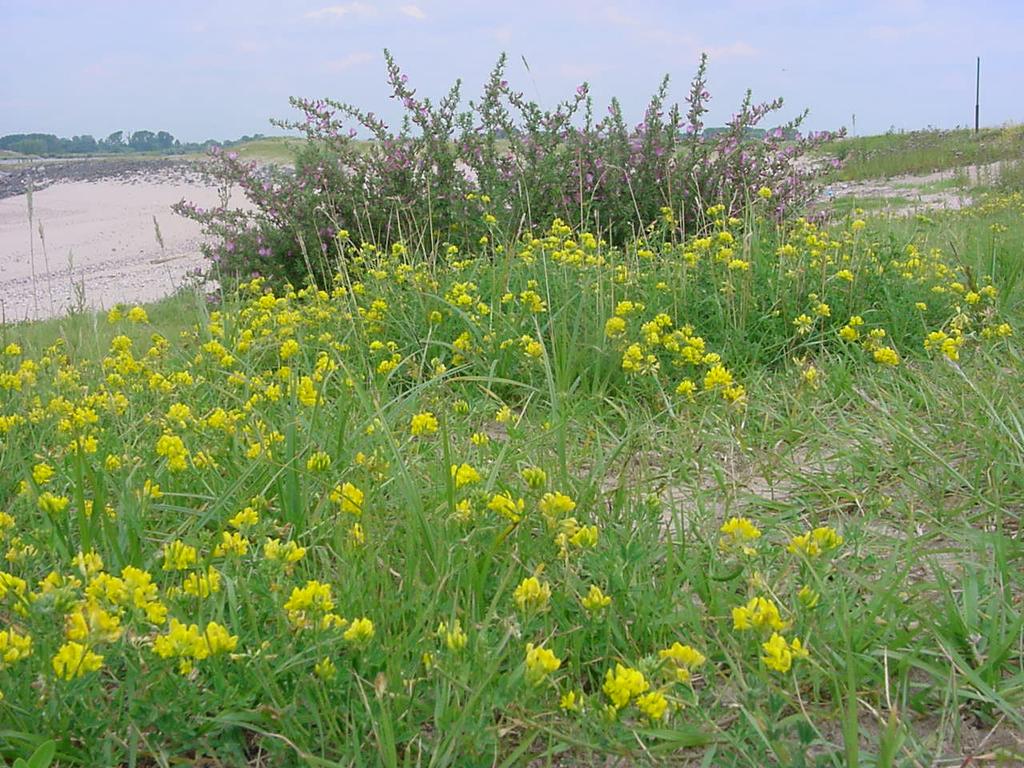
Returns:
(977,98)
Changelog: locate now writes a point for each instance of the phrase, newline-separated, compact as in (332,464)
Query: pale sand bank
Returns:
(107,227)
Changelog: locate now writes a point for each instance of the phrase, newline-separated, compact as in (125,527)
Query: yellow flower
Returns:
(623,684)
(738,533)
(886,356)
(318,461)
(555,505)
(9,583)
(764,193)
(683,659)
(506,506)
(92,622)
(532,594)
(808,597)
(231,544)
(52,504)
(289,348)
(595,600)
(811,376)
(717,377)
(813,544)
(307,394)
(540,662)
(287,552)
(586,536)
(247,517)
(535,477)
(779,655)
(359,632)
(464,474)
(186,643)
(424,423)
(219,639)
(686,388)
(570,702)
(849,333)
(42,473)
(75,660)
(179,556)
(180,413)
(202,585)
(759,612)
(305,602)
(453,636)
(356,535)
(614,327)
(349,498)
(151,490)
(138,315)
(652,705)
(88,563)
(173,449)
(626,308)
(325,669)
(13,647)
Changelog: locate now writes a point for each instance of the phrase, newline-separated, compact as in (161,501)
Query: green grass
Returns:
(921,152)
(915,641)
(275,149)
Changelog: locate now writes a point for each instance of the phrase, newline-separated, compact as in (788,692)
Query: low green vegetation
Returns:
(748,498)
(489,453)
(280,150)
(922,152)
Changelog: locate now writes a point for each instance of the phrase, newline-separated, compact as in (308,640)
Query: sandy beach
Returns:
(99,234)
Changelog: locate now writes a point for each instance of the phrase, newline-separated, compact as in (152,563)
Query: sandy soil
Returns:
(916,188)
(100,234)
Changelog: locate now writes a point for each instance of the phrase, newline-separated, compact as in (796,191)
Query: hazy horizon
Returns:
(221,72)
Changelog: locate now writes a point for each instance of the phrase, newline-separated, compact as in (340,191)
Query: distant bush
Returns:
(450,178)
(118,142)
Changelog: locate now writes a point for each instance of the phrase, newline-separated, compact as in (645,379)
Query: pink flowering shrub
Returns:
(482,176)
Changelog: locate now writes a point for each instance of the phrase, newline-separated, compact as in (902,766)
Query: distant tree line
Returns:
(48,145)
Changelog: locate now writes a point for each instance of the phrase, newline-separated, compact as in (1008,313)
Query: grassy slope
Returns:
(919,152)
(275,149)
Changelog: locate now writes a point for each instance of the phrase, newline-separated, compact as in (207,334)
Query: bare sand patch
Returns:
(101,235)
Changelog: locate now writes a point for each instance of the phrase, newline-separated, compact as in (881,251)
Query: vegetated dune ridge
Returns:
(93,239)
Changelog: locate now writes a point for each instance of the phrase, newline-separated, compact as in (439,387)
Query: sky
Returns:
(222,69)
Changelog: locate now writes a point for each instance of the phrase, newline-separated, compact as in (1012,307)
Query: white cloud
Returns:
(738,49)
(413,11)
(348,62)
(652,31)
(341,11)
